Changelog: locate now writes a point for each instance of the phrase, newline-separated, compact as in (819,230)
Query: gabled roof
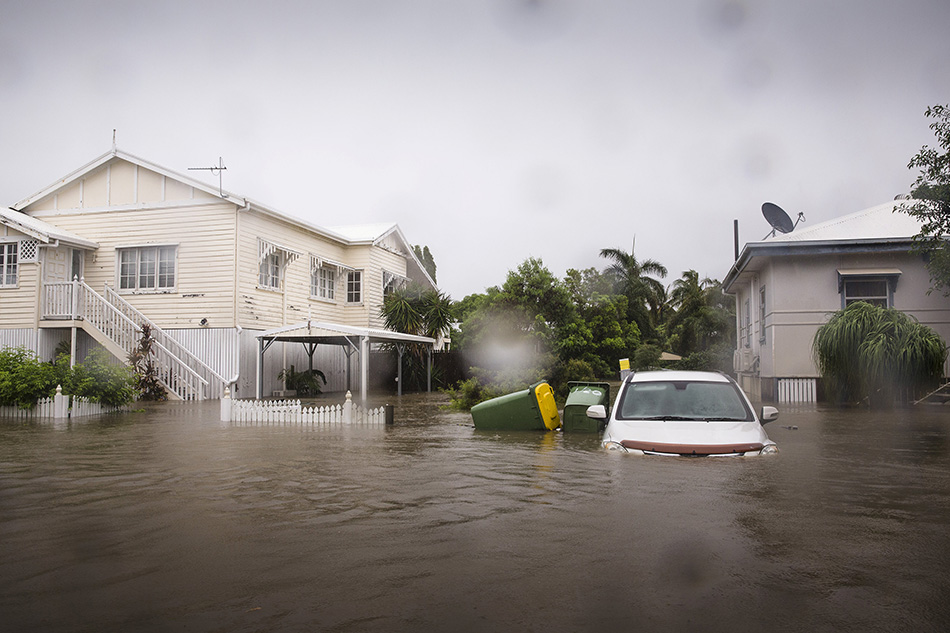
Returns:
(42,231)
(880,228)
(347,235)
(376,233)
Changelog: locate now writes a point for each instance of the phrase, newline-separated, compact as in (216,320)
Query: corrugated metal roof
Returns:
(42,230)
(880,222)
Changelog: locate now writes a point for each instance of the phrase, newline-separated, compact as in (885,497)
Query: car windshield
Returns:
(683,400)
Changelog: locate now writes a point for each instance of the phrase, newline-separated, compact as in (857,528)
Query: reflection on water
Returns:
(165,520)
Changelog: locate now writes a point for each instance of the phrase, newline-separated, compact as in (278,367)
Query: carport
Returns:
(353,340)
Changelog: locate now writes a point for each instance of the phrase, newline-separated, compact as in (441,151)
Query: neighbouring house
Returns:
(122,241)
(787,286)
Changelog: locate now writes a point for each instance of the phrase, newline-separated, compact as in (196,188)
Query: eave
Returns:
(755,250)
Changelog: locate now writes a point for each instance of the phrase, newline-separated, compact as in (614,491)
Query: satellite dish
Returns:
(777,218)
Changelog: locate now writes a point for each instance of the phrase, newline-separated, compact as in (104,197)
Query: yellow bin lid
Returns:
(547,406)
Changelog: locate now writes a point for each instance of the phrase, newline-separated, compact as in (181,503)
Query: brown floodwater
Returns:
(167,520)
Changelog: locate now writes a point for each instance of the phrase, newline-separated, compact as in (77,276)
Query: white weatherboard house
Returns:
(786,287)
(219,277)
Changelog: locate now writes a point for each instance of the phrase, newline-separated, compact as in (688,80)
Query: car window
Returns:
(683,399)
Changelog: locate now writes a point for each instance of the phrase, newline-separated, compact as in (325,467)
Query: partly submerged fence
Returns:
(59,407)
(797,390)
(279,412)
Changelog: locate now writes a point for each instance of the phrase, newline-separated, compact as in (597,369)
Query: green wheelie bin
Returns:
(580,396)
(532,409)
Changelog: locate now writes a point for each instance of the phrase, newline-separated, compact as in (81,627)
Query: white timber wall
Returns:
(122,204)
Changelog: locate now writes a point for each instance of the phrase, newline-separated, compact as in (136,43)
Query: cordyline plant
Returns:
(878,355)
(146,373)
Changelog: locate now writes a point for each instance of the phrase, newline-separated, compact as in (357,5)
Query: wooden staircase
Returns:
(117,326)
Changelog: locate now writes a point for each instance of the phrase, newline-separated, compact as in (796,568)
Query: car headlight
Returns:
(769,449)
(610,445)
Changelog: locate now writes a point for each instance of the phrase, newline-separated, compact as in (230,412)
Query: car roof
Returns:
(677,376)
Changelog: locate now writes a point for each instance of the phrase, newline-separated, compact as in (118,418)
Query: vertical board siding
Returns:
(20,337)
(216,347)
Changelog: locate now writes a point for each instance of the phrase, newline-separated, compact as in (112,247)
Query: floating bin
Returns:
(580,396)
(533,409)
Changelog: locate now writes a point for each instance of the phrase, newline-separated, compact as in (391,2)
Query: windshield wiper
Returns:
(666,418)
(724,420)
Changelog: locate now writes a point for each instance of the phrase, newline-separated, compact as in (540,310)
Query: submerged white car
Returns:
(687,413)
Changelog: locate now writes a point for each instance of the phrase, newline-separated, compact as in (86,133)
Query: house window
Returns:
(8,264)
(270,271)
(762,314)
(323,283)
(873,291)
(147,268)
(354,286)
(871,285)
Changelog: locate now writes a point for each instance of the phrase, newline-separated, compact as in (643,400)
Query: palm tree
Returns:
(413,310)
(701,317)
(645,295)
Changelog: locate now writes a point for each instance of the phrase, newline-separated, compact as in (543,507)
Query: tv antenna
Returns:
(219,168)
(778,219)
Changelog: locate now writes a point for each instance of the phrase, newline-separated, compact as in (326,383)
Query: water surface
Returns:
(167,520)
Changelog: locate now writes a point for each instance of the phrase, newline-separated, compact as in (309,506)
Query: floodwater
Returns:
(167,520)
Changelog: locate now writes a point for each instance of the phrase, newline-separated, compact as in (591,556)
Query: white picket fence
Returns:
(59,407)
(281,412)
(797,390)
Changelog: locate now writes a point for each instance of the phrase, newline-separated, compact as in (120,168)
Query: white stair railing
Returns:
(75,300)
(212,378)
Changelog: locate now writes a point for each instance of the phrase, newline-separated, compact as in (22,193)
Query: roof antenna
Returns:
(113,140)
(219,168)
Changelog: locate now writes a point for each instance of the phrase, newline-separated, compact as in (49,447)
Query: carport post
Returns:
(429,371)
(364,366)
(400,347)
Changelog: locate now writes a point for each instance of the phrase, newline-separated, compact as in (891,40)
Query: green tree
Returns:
(421,312)
(425,258)
(931,198)
(867,352)
(645,295)
(701,316)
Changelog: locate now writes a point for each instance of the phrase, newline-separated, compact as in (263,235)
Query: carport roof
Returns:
(338,334)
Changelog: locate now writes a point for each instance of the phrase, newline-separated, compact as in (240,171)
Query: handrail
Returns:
(191,360)
(77,300)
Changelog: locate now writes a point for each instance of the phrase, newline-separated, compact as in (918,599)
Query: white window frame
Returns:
(133,274)
(9,264)
(354,287)
(323,279)
(273,260)
(269,275)
(762,314)
(848,280)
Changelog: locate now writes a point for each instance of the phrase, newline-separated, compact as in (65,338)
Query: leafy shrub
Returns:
(24,378)
(100,380)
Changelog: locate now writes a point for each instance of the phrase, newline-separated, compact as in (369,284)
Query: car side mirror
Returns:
(597,412)
(769,414)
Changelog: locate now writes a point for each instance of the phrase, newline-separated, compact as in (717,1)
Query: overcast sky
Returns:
(491,130)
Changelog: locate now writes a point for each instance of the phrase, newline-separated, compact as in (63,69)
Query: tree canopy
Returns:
(931,198)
